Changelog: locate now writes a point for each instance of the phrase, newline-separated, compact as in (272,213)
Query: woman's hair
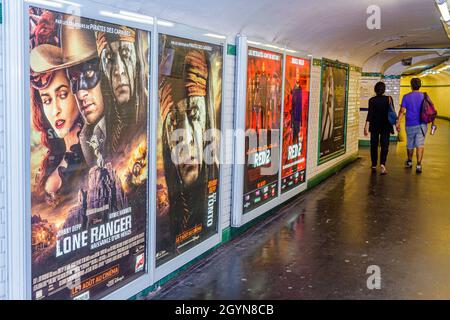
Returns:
(416,83)
(49,140)
(380,88)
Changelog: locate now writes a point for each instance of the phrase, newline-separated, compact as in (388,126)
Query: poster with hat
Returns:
(190,103)
(89,85)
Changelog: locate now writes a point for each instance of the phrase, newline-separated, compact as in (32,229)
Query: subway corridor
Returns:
(320,245)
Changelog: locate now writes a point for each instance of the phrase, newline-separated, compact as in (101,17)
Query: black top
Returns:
(378,114)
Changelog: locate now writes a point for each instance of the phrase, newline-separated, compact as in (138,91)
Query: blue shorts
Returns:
(416,136)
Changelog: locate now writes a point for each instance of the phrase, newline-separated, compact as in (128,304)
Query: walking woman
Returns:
(378,125)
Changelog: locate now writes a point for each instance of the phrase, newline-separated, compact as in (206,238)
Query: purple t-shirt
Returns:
(412,102)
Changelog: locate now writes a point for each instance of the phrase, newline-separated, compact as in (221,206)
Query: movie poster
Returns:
(190,104)
(263,111)
(295,129)
(89,105)
(333,109)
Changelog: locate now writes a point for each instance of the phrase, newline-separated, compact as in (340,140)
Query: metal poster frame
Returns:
(20,226)
(195,34)
(303,186)
(238,217)
(339,153)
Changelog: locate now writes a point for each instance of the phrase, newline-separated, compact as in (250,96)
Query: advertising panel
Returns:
(333,110)
(295,128)
(263,114)
(190,104)
(89,103)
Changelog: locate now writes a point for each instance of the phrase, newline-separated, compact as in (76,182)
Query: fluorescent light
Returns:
(46,3)
(291,51)
(264,44)
(310,55)
(165,23)
(416,49)
(443,7)
(70,3)
(147,20)
(217,36)
(135,15)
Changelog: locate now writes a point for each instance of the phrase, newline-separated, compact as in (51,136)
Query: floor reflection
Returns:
(320,245)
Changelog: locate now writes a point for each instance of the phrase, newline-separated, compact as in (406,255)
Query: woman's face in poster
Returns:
(59,104)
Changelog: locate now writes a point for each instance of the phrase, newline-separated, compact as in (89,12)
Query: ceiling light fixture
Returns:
(165,23)
(217,36)
(443,8)
(146,20)
(254,43)
(416,49)
(135,15)
(46,3)
(70,3)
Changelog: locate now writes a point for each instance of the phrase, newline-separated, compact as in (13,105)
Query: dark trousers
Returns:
(377,138)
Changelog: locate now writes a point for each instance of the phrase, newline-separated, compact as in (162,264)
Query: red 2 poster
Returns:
(295,129)
(263,114)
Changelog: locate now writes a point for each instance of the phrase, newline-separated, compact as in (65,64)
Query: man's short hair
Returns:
(416,83)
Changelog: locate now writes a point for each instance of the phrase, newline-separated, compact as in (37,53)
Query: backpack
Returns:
(427,112)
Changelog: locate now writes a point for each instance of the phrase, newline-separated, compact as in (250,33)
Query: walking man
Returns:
(416,129)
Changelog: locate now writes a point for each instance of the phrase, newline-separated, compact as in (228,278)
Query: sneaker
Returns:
(373,168)
(408,164)
(383,171)
(419,169)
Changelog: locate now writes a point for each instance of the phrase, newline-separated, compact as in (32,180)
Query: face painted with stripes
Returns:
(119,63)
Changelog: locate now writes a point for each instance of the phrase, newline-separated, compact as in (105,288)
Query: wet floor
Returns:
(320,245)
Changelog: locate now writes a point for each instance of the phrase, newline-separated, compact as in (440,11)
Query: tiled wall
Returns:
(2,181)
(367,91)
(392,89)
(352,123)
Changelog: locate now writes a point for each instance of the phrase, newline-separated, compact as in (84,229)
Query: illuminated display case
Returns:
(91,190)
(188,219)
(333,110)
(260,166)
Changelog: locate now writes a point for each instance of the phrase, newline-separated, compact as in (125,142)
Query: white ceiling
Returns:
(335,29)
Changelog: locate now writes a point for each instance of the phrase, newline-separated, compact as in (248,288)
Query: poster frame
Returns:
(90,11)
(195,34)
(238,218)
(303,186)
(339,153)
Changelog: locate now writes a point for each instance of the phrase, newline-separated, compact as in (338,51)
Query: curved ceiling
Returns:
(327,28)
(390,63)
(423,65)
